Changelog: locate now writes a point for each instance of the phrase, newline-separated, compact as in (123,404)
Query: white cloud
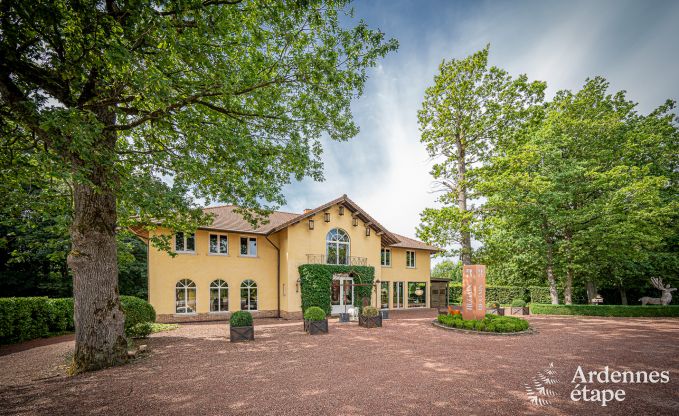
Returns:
(386,169)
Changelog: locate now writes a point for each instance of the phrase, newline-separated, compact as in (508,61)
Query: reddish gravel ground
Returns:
(406,367)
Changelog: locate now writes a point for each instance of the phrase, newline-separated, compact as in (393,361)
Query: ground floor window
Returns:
(248,295)
(185,296)
(417,294)
(399,295)
(219,296)
(384,295)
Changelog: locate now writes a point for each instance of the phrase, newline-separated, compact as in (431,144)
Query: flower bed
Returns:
(491,323)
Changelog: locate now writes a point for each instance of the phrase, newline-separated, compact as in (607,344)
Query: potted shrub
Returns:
(315,321)
(519,307)
(496,309)
(241,328)
(370,317)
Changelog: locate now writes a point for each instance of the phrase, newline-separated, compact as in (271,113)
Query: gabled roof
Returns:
(356,211)
(227,219)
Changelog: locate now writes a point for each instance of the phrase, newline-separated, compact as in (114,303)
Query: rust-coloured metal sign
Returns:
(474,291)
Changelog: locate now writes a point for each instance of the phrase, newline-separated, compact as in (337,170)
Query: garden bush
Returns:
(241,318)
(314,313)
(500,294)
(491,323)
(518,303)
(140,330)
(22,319)
(605,310)
(370,312)
(136,311)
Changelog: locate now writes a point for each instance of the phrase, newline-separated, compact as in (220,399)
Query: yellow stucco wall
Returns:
(302,241)
(202,267)
(398,272)
(295,243)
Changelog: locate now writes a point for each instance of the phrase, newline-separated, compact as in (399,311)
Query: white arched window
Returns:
(185,296)
(248,295)
(219,296)
(337,246)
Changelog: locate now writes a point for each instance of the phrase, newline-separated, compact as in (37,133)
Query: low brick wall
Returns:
(205,317)
(292,315)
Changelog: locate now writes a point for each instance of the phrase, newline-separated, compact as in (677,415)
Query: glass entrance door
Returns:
(399,295)
(341,294)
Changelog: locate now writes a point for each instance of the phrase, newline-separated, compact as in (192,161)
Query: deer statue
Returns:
(666,297)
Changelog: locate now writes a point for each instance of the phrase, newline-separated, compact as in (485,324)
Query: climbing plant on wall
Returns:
(316,283)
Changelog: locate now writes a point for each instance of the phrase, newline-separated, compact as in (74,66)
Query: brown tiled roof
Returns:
(410,243)
(226,219)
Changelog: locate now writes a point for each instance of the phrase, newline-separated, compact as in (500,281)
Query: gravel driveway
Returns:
(406,367)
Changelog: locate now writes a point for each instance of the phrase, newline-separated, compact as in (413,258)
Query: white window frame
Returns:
(220,285)
(336,241)
(383,256)
(249,238)
(185,285)
(408,266)
(255,287)
(219,240)
(184,243)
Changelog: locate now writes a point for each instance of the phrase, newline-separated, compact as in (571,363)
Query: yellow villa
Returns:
(230,266)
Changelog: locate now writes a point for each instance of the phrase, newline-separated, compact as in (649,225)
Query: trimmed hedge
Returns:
(136,311)
(605,310)
(316,283)
(501,294)
(314,313)
(491,323)
(240,318)
(26,318)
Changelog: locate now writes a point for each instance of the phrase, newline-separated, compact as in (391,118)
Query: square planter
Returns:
(344,317)
(497,311)
(372,322)
(316,327)
(384,313)
(524,310)
(242,333)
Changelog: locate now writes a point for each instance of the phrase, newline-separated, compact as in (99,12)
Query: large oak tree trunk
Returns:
(465,234)
(99,319)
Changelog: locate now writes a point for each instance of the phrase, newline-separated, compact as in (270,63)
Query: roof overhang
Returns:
(356,211)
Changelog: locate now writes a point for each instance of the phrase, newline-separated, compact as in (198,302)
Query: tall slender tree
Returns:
(140,106)
(469,109)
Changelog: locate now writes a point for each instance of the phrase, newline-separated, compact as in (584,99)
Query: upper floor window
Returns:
(337,246)
(410,259)
(386,257)
(219,244)
(184,242)
(248,246)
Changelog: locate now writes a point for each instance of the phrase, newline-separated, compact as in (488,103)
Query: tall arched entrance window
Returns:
(338,246)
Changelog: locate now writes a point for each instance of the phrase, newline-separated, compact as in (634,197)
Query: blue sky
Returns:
(385,169)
